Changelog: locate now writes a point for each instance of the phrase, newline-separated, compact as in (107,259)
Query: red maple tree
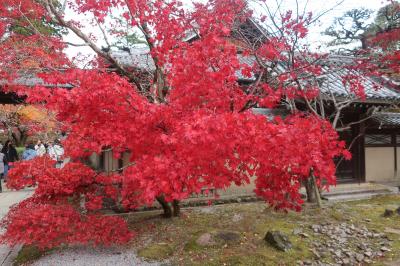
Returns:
(189,127)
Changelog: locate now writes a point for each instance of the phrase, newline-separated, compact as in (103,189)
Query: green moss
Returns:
(28,254)
(192,246)
(337,215)
(254,259)
(159,251)
(256,220)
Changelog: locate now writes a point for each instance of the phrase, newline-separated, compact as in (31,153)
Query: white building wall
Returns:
(380,164)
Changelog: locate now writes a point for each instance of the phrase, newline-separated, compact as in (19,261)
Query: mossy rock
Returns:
(212,239)
(159,251)
(278,240)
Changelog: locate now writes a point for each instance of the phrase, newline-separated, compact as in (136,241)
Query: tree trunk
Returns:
(177,208)
(364,42)
(310,190)
(20,137)
(166,207)
(316,190)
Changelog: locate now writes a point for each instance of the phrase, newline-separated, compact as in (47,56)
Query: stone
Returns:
(278,240)
(368,254)
(362,246)
(388,213)
(297,231)
(385,249)
(237,217)
(349,253)
(316,254)
(346,261)
(304,235)
(316,228)
(307,262)
(359,257)
(324,254)
(205,240)
(337,253)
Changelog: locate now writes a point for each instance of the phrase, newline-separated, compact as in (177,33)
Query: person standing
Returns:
(11,156)
(2,162)
(29,153)
(56,152)
(40,148)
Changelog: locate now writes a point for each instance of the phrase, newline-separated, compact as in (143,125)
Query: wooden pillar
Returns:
(358,151)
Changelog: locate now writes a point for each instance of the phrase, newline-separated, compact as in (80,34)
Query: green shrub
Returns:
(20,150)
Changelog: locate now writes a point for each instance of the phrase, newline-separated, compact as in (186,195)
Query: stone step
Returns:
(357,195)
(357,191)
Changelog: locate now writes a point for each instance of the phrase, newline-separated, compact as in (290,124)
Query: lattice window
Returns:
(378,139)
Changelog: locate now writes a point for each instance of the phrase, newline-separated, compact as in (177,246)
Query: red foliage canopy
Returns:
(190,133)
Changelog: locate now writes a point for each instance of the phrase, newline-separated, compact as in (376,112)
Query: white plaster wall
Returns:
(398,164)
(379,164)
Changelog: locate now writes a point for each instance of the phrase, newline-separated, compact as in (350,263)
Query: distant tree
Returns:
(124,36)
(385,31)
(20,122)
(350,28)
(355,26)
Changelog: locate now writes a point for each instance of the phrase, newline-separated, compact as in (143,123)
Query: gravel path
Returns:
(93,257)
(7,199)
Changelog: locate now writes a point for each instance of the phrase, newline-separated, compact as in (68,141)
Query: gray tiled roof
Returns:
(31,80)
(138,57)
(330,80)
(387,119)
(270,113)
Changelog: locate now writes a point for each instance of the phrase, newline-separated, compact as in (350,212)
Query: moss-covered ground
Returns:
(174,240)
(29,254)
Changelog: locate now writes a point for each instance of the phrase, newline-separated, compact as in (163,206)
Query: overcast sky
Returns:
(315,39)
